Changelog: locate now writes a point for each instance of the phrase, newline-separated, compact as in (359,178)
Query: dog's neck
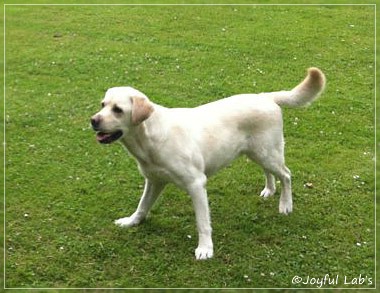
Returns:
(142,140)
(134,142)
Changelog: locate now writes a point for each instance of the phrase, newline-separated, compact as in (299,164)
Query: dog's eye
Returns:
(117,110)
(102,104)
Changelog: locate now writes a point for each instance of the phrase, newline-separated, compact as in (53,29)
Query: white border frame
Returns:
(189,4)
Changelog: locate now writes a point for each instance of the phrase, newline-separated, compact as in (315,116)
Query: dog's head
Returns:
(122,109)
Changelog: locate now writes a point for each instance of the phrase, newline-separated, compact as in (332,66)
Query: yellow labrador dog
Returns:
(185,146)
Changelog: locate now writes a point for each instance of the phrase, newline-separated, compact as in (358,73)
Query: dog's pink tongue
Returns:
(102,136)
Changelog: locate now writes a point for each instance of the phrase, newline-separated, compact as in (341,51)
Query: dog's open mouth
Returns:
(103,137)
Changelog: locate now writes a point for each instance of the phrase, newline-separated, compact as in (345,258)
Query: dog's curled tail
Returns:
(304,93)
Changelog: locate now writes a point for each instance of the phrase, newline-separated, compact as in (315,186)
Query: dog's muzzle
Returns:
(104,137)
(95,122)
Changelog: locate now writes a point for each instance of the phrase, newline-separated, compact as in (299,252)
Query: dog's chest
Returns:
(155,172)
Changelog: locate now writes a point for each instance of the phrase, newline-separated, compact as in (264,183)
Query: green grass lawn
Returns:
(63,189)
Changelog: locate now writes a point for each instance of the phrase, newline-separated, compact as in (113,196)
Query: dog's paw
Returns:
(286,207)
(202,253)
(126,222)
(267,192)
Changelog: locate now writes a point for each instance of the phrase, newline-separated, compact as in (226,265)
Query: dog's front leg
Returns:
(198,193)
(151,192)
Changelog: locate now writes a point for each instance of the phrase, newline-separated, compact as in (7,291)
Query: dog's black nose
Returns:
(95,121)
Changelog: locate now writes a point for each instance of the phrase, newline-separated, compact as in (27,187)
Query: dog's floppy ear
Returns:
(141,109)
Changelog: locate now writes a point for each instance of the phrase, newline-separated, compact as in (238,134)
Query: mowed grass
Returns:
(63,190)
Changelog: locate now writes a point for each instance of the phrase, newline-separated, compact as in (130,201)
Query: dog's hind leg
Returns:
(270,185)
(283,173)
(286,200)
(151,192)
(269,154)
